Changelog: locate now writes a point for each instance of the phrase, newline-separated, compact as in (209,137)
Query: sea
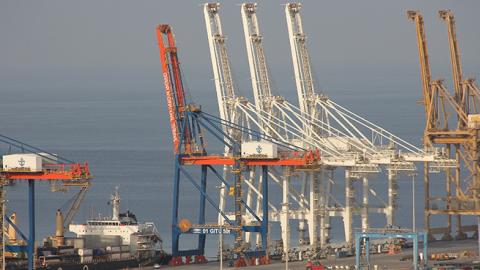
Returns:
(119,126)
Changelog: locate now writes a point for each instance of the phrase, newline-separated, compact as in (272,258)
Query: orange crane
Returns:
(189,125)
(462,135)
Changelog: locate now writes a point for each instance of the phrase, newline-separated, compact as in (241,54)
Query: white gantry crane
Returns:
(344,139)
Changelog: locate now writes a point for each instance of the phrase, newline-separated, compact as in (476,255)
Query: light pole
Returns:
(286,238)
(413,204)
(221,233)
(221,246)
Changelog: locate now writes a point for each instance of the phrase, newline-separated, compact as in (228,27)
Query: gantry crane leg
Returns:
(329,183)
(322,207)
(459,233)
(302,223)
(365,194)
(426,201)
(31,224)
(2,222)
(448,178)
(392,195)
(312,216)
(347,214)
(201,214)
(284,221)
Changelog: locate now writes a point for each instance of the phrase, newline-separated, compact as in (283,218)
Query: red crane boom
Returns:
(173,90)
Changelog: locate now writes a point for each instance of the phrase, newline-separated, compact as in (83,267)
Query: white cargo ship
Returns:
(122,229)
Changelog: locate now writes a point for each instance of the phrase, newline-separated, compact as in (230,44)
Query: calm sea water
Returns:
(123,132)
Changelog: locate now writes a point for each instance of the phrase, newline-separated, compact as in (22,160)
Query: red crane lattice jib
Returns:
(174,91)
(61,172)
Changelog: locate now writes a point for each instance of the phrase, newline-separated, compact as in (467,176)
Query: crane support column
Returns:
(365,204)
(312,216)
(302,222)
(347,215)
(392,196)
(328,191)
(285,210)
(322,206)
(265,210)
(31,224)
(260,203)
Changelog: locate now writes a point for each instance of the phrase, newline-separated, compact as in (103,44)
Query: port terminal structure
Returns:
(345,140)
(452,122)
(56,170)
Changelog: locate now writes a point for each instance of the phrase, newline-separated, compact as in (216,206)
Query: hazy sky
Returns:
(89,40)
(87,50)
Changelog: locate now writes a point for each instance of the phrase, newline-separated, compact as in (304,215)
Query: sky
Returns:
(72,51)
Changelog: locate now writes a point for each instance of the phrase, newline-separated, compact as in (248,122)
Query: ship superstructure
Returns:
(121,229)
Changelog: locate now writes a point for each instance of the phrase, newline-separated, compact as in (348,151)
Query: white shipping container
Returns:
(111,249)
(86,259)
(85,252)
(22,162)
(115,256)
(259,149)
(125,255)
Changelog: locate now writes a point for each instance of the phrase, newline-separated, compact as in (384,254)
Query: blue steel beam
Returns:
(215,134)
(201,215)
(209,199)
(31,222)
(176,188)
(265,207)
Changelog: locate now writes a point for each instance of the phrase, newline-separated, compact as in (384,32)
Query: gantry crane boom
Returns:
(300,58)
(423,56)
(173,89)
(220,63)
(256,57)
(447,16)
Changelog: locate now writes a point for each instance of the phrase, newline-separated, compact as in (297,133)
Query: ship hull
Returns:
(94,265)
(108,265)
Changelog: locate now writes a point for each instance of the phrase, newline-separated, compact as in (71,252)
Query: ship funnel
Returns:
(59,228)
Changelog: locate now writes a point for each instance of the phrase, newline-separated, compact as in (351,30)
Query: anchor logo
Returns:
(21,162)
(259,149)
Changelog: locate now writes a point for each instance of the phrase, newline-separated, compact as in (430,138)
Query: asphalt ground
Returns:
(382,261)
